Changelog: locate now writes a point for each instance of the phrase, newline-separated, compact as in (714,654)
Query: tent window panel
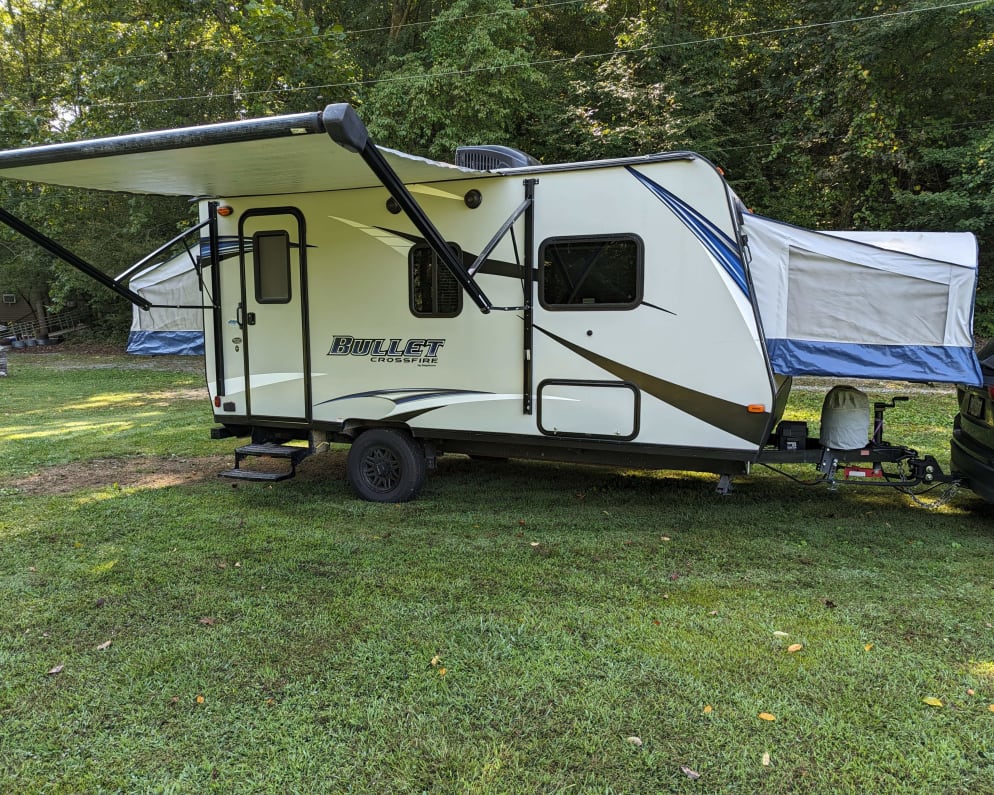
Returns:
(434,291)
(593,272)
(831,300)
(271,258)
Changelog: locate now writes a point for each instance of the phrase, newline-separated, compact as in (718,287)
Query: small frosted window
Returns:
(271,255)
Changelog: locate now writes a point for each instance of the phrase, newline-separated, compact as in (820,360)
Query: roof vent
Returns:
(492,158)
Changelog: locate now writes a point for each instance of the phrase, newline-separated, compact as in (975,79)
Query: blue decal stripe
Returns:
(716,241)
(946,364)
(720,245)
(227,246)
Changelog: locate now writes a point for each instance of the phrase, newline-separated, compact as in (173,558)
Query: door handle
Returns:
(243,318)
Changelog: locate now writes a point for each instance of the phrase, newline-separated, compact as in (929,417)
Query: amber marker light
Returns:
(756,408)
(224,210)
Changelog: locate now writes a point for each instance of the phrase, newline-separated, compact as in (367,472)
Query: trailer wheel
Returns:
(386,465)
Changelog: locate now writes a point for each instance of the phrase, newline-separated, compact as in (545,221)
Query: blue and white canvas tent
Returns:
(173,325)
(890,305)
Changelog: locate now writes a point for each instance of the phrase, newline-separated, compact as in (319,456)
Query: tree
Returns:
(663,83)
(470,85)
(826,114)
(956,195)
(87,68)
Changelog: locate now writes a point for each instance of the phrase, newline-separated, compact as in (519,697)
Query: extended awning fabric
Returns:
(277,155)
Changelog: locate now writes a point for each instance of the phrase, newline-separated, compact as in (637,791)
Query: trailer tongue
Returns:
(843,456)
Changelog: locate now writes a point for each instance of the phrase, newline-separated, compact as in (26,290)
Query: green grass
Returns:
(62,407)
(565,620)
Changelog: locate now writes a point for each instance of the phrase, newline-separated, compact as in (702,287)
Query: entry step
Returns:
(253,474)
(291,454)
(295,454)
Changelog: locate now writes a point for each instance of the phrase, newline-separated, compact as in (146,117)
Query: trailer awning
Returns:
(281,154)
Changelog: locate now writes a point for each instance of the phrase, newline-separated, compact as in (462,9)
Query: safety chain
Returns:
(934,505)
(931,505)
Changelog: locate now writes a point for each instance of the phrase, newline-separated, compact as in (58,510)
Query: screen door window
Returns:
(271,256)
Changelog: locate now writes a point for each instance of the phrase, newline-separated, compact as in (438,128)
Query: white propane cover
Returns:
(845,419)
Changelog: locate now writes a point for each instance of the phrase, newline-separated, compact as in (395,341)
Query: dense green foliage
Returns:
(828,114)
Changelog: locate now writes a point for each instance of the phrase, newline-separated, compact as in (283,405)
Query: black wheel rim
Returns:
(381,469)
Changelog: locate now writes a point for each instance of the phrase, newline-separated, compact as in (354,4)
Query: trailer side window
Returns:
(594,272)
(434,290)
(271,259)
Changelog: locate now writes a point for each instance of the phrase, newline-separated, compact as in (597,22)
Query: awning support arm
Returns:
(164,247)
(64,254)
(217,322)
(181,306)
(345,127)
(495,240)
(529,292)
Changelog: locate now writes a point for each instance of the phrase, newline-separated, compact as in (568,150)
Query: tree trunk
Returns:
(36,300)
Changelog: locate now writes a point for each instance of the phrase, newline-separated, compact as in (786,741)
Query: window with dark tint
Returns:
(271,255)
(591,272)
(434,290)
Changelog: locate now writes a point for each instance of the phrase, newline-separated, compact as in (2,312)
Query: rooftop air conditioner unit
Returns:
(492,158)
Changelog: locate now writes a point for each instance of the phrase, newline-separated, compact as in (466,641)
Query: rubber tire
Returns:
(386,465)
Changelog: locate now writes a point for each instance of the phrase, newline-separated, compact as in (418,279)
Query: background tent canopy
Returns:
(174,325)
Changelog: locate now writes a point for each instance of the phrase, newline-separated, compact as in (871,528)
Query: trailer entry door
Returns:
(273,313)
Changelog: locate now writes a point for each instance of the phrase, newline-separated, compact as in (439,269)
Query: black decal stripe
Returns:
(661,309)
(378,393)
(439,393)
(724,414)
(407,416)
(492,267)
(404,235)
(419,393)
(495,267)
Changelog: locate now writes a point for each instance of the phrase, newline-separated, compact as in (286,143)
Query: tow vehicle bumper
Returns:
(973,462)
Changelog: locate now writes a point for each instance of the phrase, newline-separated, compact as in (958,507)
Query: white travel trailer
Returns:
(625,312)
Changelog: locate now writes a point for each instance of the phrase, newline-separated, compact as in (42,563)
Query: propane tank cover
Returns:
(845,419)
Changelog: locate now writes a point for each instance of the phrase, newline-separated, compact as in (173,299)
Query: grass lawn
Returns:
(521,628)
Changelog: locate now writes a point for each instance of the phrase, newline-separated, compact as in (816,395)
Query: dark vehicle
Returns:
(972,455)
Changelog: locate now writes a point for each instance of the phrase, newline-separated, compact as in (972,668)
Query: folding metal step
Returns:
(251,474)
(292,455)
(295,454)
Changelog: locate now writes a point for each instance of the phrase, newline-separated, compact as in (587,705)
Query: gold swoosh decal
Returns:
(733,418)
